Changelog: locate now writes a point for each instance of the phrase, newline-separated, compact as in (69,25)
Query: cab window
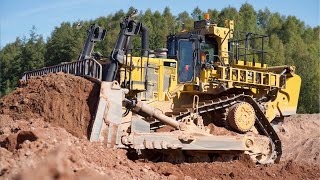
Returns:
(186,64)
(209,51)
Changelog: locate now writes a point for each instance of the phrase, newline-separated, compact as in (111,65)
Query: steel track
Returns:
(262,123)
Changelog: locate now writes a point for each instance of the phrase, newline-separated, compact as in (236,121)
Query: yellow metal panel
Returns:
(138,74)
(286,101)
(288,97)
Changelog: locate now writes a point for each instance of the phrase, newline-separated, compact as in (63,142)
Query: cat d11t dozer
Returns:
(208,94)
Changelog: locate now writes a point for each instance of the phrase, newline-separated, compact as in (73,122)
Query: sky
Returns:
(18,16)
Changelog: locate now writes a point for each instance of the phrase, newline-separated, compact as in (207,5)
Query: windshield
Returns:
(186,65)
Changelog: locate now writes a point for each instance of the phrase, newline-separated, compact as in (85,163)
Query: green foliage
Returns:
(18,57)
(32,52)
(64,44)
(196,13)
(10,66)
(290,42)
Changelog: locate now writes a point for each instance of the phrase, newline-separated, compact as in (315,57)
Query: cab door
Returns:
(185,48)
(186,61)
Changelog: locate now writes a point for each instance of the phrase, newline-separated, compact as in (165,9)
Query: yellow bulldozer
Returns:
(208,95)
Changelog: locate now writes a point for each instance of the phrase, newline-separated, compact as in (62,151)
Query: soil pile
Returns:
(43,129)
(60,99)
(40,151)
(300,136)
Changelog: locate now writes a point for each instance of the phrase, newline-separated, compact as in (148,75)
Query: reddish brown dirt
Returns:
(43,129)
(62,100)
(300,135)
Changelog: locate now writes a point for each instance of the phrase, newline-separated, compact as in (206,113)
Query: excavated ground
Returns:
(44,128)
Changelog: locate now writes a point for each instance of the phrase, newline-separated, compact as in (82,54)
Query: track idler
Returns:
(241,117)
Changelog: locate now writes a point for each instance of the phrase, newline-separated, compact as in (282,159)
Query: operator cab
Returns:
(193,52)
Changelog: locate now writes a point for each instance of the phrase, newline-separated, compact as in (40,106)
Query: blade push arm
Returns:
(94,34)
(128,28)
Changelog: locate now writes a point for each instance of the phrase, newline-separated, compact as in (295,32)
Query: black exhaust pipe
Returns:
(144,41)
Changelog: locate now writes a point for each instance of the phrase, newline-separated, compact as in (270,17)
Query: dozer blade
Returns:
(106,125)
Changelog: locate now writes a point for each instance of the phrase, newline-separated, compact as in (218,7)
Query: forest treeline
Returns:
(291,42)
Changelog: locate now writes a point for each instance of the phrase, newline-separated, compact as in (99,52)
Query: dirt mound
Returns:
(41,150)
(60,99)
(43,128)
(300,136)
(239,170)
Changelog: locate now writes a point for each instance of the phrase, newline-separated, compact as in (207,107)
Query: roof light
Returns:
(206,16)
